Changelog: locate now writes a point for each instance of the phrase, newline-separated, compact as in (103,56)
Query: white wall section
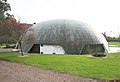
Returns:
(51,49)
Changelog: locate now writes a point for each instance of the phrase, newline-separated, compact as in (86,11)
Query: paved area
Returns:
(6,50)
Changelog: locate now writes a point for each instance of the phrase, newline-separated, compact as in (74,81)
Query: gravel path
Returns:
(14,72)
(6,50)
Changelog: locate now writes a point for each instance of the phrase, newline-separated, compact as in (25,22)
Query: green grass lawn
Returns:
(81,65)
(2,45)
(114,43)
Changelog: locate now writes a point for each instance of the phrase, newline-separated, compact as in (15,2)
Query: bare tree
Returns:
(19,32)
(12,30)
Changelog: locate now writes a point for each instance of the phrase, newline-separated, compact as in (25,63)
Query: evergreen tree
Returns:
(4,8)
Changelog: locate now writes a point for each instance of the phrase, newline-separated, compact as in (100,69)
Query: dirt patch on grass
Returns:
(90,56)
(23,56)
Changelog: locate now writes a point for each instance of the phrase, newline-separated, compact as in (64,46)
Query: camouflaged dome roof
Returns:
(70,34)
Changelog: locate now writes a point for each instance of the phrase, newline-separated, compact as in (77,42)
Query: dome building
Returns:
(63,37)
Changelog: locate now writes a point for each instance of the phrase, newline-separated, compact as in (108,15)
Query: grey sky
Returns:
(104,15)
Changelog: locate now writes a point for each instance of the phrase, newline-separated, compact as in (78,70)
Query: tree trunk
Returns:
(21,49)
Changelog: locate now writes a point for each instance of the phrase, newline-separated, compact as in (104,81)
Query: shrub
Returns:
(99,55)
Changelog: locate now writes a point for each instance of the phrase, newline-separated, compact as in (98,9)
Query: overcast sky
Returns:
(103,15)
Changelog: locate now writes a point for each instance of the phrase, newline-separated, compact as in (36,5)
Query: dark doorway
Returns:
(35,48)
(97,48)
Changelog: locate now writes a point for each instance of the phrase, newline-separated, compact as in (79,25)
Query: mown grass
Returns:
(81,65)
(114,43)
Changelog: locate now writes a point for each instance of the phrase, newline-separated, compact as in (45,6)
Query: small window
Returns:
(53,53)
(41,45)
(41,52)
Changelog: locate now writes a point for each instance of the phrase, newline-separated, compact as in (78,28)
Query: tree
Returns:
(19,32)
(12,30)
(4,7)
(4,15)
(5,34)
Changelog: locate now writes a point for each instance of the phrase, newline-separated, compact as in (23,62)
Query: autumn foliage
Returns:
(11,30)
